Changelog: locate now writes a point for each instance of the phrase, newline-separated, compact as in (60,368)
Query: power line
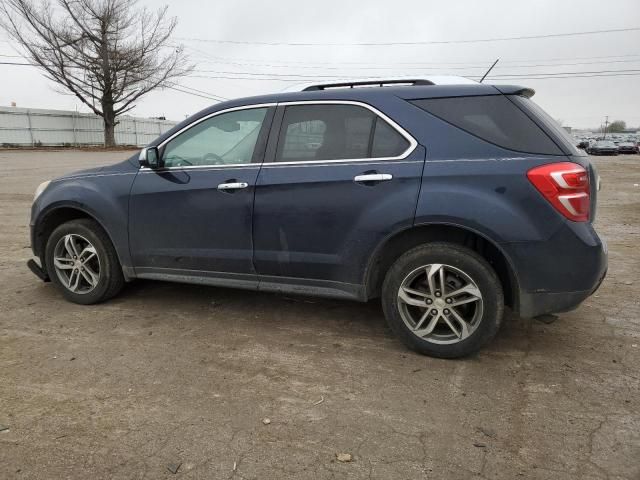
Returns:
(269,74)
(213,95)
(565,73)
(192,93)
(415,67)
(307,63)
(209,96)
(530,77)
(432,42)
(571,76)
(276,76)
(300,78)
(261,79)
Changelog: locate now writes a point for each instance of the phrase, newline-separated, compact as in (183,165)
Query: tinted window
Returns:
(226,139)
(324,132)
(387,141)
(549,123)
(493,118)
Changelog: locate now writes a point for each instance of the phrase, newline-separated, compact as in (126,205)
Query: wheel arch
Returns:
(55,216)
(400,242)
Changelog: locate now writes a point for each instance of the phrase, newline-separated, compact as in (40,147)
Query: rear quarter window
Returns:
(493,118)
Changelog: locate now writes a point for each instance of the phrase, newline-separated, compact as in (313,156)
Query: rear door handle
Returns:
(232,185)
(373,177)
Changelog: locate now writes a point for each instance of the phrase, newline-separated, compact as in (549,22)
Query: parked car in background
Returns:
(603,147)
(627,147)
(583,145)
(446,201)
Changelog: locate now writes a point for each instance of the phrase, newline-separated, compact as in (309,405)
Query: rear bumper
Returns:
(542,303)
(557,275)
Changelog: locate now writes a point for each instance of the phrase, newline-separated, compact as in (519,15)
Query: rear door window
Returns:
(493,118)
(317,132)
(387,141)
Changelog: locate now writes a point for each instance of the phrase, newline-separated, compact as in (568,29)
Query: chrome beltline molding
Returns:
(413,144)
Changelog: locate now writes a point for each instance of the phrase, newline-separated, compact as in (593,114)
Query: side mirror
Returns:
(149,157)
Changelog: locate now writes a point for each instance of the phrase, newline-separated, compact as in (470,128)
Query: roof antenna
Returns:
(490,68)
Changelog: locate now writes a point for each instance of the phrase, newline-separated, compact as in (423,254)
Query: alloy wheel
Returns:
(440,303)
(76,263)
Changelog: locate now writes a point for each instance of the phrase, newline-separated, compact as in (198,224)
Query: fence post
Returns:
(135,131)
(73,120)
(33,143)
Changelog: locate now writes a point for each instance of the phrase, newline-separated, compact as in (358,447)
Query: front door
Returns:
(341,178)
(193,217)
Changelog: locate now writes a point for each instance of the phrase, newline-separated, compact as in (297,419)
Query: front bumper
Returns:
(38,270)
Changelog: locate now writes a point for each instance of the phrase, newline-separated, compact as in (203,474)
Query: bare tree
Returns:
(108,53)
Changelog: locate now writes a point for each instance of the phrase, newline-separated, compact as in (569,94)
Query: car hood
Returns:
(126,166)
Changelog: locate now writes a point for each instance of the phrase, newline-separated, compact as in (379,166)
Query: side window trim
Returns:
(274,135)
(372,135)
(259,151)
(269,158)
(268,119)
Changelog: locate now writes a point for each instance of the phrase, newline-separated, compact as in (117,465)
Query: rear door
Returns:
(338,178)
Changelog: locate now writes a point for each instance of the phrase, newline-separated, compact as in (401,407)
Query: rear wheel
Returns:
(443,300)
(82,262)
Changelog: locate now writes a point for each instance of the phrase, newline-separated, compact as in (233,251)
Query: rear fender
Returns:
(491,196)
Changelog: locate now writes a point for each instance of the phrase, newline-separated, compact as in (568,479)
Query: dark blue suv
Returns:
(446,201)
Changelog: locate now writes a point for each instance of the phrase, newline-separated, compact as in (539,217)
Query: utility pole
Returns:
(606,124)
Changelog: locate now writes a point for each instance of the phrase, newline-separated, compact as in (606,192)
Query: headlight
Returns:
(41,189)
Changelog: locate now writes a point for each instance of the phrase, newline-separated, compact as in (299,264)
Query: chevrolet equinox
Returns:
(446,201)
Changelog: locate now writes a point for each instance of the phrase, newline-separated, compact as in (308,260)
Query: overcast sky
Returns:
(578,102)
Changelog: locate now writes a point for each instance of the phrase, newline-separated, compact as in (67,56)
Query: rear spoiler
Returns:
(516,90)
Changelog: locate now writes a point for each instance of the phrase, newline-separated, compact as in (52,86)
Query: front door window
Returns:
(225,139)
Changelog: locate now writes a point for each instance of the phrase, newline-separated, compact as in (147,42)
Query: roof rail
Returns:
(362,83)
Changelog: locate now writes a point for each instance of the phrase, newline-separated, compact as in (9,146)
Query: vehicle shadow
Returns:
(299,315)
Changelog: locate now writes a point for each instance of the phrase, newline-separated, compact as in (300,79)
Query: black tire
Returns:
(110,280)
(465,260)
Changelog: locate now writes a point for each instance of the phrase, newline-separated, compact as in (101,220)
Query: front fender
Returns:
(103,198)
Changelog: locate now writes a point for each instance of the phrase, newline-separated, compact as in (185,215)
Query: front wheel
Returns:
(82,262)
(443,300)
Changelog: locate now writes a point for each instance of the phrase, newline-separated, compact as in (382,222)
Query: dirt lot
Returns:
(180,375)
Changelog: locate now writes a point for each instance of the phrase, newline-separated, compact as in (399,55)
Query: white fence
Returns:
(36,127)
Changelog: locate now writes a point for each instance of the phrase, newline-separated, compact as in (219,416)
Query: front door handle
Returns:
(232,185)
(373,177)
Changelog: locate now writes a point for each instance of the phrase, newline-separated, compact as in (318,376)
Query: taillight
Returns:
(566,186)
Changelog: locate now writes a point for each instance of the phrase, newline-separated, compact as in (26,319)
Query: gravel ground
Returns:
(168,377)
